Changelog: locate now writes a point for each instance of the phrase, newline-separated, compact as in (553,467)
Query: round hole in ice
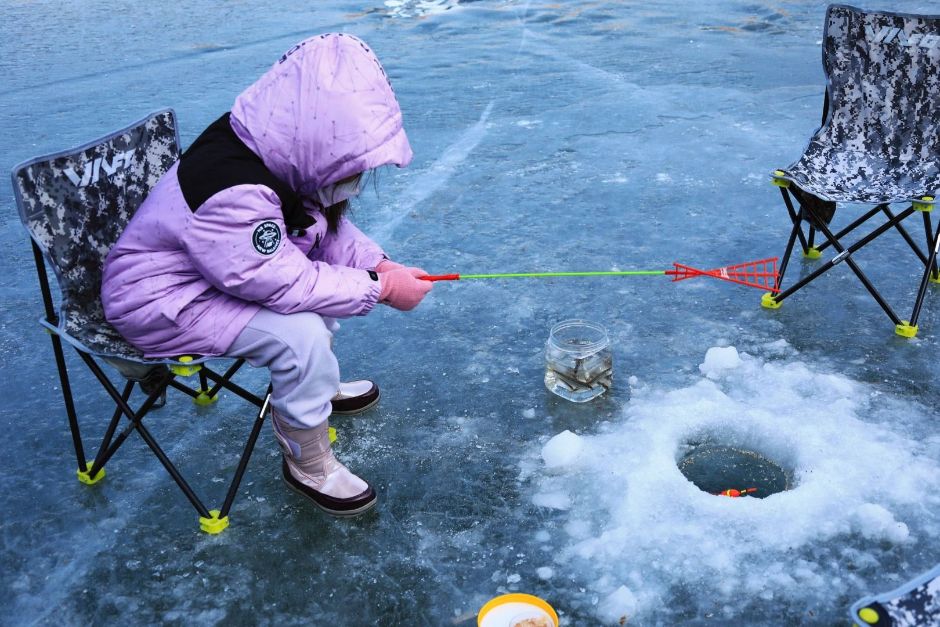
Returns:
(731,470)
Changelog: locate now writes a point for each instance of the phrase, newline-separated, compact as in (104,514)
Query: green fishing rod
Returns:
(761,274)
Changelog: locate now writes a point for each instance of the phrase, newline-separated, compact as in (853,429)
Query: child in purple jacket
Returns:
(242,249)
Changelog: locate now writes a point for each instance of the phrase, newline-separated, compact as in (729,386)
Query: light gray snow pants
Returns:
(297,349)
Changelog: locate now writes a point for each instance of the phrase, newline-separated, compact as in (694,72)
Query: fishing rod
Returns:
(761,274)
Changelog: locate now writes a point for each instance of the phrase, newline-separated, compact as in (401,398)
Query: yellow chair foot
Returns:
(869,615)
(213,525)
(905,329)
(934,278)
(185,370)
(777,179)
(812,253)
(925,204)
(204,399)
(332,433)
(767,301)
(87,479)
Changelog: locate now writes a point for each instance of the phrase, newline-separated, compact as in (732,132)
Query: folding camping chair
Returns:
(878,144)
(75,204)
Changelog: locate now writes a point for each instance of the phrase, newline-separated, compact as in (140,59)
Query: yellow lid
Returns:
(508,610)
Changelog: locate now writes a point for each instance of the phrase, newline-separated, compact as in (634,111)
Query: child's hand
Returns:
(386,265)
(402,289)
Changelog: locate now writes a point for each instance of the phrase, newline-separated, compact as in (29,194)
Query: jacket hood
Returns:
(324,111)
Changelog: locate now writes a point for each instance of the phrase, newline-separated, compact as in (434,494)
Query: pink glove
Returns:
(387,264)
(402,289)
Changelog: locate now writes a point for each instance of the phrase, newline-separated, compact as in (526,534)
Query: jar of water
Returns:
(578,360)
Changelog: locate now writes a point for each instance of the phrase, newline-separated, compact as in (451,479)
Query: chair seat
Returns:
(97,339)
(100,339)
(850,176)
(880,137)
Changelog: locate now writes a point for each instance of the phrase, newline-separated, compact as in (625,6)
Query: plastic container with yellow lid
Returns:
(517,610)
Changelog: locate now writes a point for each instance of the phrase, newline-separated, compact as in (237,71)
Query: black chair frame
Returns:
(90,472)
(803,213)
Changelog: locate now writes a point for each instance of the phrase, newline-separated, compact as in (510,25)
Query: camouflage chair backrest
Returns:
(883,71)
(75,204)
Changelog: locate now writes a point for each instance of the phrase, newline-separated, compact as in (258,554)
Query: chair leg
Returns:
(844,254)
(851,227)
(122,409)
(92,476)
(796,217)
(929,271)
(227,376)
(771,300)
(136,418)
(70,405)
(787,253)
(907,236)
(246,455)
(811,251)
(203,397)
(210,521)
(928,230)
(236,389)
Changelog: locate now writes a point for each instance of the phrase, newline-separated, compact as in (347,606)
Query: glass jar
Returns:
(578,360)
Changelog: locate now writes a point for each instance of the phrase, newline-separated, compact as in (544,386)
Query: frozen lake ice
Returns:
(548,136)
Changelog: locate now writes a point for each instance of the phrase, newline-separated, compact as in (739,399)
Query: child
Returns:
(242,249)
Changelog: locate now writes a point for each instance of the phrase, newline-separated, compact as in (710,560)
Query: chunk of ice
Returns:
(562,450)
(718,360)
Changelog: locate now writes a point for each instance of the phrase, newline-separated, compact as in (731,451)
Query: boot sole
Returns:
(345,513)
(353,412)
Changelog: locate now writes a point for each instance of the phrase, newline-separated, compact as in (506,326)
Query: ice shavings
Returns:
(552,500)
(637,531)
(876,523)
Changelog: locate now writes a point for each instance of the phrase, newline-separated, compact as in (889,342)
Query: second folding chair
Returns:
(879,144)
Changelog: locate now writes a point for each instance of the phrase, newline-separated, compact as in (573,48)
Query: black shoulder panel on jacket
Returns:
(218,160)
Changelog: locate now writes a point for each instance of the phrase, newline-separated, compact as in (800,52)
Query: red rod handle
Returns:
(440,277)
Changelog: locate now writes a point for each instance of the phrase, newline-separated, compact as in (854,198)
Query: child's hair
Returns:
(334,214)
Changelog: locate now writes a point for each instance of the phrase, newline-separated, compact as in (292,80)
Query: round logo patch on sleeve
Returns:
(267,237)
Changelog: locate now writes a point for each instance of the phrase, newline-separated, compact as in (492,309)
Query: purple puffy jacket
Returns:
(186,279)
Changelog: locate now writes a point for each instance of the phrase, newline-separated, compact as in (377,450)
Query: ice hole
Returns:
(718,468)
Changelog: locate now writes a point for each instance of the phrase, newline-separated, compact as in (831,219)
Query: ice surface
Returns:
(548,135)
